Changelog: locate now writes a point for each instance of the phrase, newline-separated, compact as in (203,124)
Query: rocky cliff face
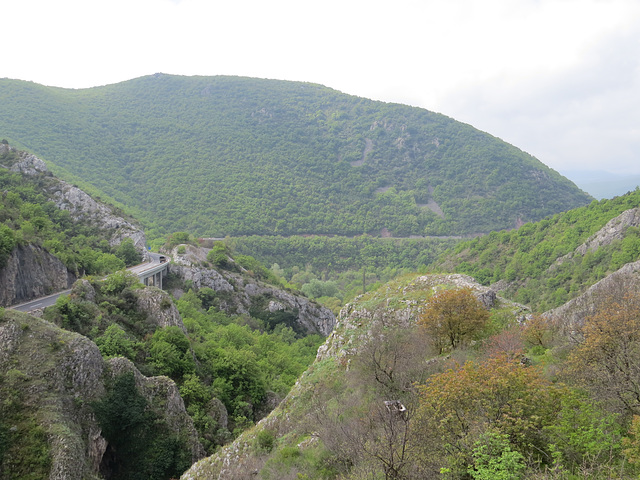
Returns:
(79,204)
(573,313)
(53,375)
(613,230)
(32,272)
(244,293)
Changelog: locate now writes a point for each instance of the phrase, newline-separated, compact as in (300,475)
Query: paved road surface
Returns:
(49,300)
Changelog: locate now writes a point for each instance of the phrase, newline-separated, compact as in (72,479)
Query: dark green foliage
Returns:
(140,445)
(178,238)
(218,256)
(317,288)
(339,254)
(238,156)
(4,439)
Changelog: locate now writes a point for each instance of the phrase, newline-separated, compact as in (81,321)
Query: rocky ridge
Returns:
(575,311)
(613,230)
(243,293)
(32,272)
(78,203)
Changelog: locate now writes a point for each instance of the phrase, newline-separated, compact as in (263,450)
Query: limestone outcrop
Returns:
(573,313)
(243,294)
(32,272)
(80,205)
(613,230)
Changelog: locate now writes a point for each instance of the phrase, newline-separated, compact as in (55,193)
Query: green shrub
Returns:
(265,440)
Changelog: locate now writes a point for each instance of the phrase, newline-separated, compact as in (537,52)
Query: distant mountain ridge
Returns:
(237,156)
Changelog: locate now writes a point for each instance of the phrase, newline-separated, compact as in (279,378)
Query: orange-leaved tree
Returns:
(607,360)
(500,395)
(452,317)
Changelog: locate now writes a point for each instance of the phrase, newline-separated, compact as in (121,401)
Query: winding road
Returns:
(141,270)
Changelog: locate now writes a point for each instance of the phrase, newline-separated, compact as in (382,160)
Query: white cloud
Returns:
(558,78)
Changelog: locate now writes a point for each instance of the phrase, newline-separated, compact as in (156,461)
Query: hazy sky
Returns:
(558,78)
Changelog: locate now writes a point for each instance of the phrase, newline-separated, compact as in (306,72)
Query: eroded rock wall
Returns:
(32,272)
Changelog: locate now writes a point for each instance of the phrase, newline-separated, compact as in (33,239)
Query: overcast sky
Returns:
(560,79)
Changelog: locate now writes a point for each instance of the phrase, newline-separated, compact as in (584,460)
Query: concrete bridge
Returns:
(149,273)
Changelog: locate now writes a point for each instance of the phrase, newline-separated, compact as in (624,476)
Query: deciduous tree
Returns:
(452,317)
(607,360)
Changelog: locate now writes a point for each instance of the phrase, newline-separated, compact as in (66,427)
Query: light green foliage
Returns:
(115,342)
(171,353)
(527,256)
(584,434)
(118,281)
(493,459)
(270,157)
(177,238)
(244,364)
(219,256)
(7,243)
(256,269)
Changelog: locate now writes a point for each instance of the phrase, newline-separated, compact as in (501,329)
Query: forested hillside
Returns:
(220,156)
(32,213)
(546,263)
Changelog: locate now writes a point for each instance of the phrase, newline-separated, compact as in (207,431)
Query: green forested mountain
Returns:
(237,156)
(546,263)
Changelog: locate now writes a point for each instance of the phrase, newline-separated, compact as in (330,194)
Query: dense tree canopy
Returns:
(221,156)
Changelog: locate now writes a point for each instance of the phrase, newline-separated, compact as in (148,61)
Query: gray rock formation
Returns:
(32,272)
(58,374)
(243,293)
(613,230)
(158,307)
(573,313)
(79,204)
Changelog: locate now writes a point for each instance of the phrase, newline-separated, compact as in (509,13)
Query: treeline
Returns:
(221,156)
(530,261)
(339,254)
(29,216)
